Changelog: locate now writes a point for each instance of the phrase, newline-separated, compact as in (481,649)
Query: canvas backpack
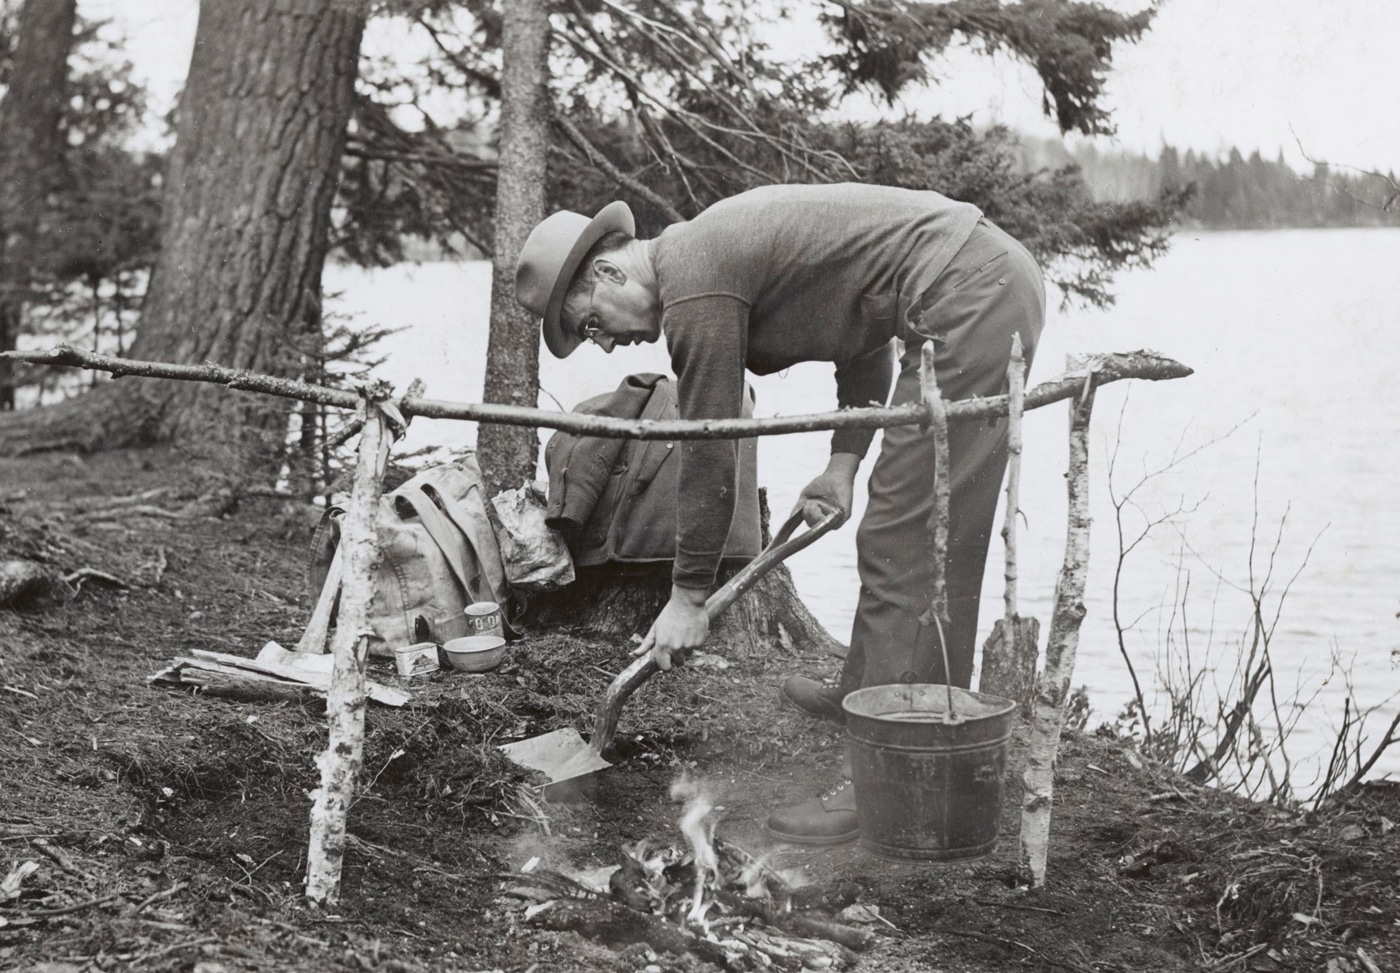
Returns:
(614,500)
(438,554)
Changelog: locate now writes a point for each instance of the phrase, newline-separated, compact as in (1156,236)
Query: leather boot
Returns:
(814,699)
(826,820)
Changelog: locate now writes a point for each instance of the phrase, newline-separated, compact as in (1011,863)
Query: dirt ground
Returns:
(167,830)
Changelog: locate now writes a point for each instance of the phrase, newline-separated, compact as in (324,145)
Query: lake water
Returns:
(1292,335)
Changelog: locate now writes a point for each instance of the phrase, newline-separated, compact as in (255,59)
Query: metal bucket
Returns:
(928,787)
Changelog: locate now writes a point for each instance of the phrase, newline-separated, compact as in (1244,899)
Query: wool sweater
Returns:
(777,276)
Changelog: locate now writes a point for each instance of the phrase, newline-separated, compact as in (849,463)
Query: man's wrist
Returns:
(692,597)
(843,463)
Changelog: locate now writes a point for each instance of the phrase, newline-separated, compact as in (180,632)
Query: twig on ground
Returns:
(57,855)
(1018,908)
(295,931)
(1002,941)
(156,897)
(1366,961)
(134,510)
(84,574)
(1227,961)
(173,947)
(64,911)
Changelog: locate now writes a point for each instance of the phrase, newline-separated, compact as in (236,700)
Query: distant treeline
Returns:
(1233,193)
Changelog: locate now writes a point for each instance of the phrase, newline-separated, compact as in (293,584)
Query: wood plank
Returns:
(321,681)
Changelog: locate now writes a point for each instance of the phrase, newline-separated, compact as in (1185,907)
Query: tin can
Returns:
(417,659)
(484,618)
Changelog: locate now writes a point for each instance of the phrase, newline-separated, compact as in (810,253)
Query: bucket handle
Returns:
(950,717)
(947,672)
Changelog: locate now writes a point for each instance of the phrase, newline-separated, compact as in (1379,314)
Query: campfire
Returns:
(706,897)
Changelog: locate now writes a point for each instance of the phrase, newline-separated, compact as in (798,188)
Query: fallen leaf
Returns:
(10,887)
(536,909)
(861,913)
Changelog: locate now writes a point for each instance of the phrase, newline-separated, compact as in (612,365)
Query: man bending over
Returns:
(786,274)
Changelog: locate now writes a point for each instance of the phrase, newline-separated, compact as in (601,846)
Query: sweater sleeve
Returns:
(707,336)
(862,381)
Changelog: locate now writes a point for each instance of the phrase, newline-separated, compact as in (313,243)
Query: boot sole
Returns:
(819,841)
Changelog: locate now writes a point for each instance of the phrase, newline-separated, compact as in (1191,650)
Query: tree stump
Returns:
(621,601)
(1008,662)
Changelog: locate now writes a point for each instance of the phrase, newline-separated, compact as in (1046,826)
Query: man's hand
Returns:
(678,630)
(834,487)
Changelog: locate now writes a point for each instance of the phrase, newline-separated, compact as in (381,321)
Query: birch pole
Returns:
(1118,366)
(345,702)
(937,613)
(1009,655)
(1061,645)
(1015,402)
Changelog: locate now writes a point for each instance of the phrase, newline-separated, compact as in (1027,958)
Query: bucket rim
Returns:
(874,702)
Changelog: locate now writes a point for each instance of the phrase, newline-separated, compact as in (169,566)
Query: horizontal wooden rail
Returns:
(1100,370)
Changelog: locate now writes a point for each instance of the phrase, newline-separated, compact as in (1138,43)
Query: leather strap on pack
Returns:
(471,519)
(440,529)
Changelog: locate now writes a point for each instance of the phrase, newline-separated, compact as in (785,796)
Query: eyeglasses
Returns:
(589,330)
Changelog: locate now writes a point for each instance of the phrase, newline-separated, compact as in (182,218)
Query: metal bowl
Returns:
(475,653)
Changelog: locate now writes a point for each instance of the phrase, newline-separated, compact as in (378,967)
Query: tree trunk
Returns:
(247,200)
(30,149)
(509,454)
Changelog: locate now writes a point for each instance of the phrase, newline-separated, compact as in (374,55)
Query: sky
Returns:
(1319,81)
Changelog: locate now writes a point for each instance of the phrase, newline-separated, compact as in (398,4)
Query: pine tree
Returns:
(30,148)
(245,231)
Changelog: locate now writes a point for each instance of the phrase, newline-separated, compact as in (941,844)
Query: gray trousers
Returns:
(991,290)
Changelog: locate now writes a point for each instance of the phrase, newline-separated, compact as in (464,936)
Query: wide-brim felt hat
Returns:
(549,260)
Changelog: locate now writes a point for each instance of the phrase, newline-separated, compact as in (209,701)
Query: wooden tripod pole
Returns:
(1061,645)
(345,702)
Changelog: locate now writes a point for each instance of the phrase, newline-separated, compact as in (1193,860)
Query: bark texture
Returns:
(30,152)
(937,612)
(345,701)
(1009,657)
(1114,367)
(248,193)
(1061,645)
(509,454)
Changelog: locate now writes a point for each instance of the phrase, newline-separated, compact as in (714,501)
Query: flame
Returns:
(698,828)
(755,879)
